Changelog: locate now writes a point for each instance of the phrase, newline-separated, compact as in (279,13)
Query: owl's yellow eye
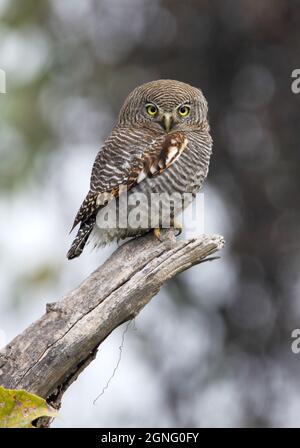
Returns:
(151,110)
(184,111)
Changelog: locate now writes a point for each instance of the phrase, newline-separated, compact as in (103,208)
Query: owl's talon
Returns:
(157,233)
(178,231)
(178,228)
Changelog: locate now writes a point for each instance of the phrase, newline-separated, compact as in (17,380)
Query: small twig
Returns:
(209,259)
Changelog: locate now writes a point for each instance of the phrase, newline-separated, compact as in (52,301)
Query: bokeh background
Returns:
(214,347)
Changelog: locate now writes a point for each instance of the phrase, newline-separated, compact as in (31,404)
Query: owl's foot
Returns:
(177,226)
(157,233)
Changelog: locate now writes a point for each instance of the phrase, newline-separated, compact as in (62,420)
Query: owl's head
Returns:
(165,104)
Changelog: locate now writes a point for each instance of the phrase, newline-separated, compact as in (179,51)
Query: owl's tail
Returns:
(81,238)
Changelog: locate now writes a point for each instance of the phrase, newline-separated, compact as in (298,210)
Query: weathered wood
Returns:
(49,355)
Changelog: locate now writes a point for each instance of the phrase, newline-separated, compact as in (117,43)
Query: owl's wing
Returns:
(126,161)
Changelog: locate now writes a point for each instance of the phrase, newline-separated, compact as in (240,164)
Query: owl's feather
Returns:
(81,238)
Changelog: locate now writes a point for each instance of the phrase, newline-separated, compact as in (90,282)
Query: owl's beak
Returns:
(167,121)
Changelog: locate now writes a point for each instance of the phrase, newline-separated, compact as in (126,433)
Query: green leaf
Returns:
(19,408)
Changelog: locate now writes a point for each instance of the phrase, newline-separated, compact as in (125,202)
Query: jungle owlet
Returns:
(160,144)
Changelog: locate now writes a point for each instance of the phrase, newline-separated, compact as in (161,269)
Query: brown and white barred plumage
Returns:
(142,156)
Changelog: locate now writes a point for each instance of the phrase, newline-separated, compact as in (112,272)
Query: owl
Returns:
(160,146)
